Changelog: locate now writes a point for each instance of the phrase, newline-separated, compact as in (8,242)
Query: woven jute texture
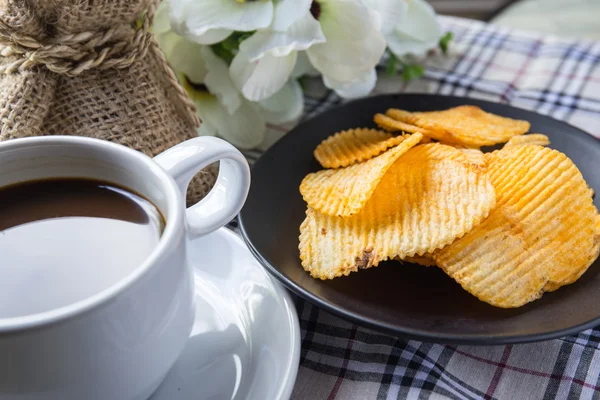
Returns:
(92,68)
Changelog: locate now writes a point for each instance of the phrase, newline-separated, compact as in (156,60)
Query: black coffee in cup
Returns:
(88,232)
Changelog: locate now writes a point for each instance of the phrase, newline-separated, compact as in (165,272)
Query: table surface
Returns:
(340,360)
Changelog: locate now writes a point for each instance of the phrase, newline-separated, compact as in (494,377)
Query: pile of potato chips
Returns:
(507,225)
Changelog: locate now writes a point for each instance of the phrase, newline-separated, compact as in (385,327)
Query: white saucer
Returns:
(245,343)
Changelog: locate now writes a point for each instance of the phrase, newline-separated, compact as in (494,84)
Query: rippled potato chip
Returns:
(355,145)
(475,156)
(345,191)
(543,233)
(533,138)
(392,125)
(467,125)
(428,197)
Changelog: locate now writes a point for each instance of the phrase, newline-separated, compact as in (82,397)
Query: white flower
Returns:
(390,12)
(286,105)
(354,43)
(359,87)
(409,26)
(267,59)
(222,108)
(304,67)
(342,40)
(211,21)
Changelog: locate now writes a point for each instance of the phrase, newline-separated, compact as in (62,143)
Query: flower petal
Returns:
(390,12)
(166,42)
(218,81)
(300,36)
(304,67)
(288,12)
(262,78)
(284,106)
(195,18)
(354,42)
(162,20)
(358,88)
(185,57)
(417,32)
(209,37)
(244,129)
(402,44)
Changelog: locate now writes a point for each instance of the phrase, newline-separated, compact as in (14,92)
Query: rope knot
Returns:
(71,54)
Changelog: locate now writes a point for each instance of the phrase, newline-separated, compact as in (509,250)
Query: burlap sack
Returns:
(91,68)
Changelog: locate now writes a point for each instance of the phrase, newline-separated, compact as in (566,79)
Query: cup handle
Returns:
(226,198)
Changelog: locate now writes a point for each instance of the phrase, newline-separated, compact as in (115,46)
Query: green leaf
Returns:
(227,48)
(222,52)
(445,42)
(230,43)
(392,64)
(411,72)
(302,82)
(139,21)
(243,36)
(233,41)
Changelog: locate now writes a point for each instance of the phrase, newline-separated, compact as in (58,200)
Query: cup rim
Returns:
(173,224)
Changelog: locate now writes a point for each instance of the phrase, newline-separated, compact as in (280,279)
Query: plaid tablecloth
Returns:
(340,360)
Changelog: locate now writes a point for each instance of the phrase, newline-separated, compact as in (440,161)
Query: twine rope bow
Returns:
(73,54)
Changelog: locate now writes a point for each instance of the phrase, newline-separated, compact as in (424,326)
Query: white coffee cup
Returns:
(120,343)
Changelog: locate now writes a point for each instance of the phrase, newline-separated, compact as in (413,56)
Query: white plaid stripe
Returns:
(339,360)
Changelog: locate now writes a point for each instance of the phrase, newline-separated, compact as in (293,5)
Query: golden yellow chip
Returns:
(467,125)
(428,197)
(425,260)
(576,274)
(533,138)
(354,145)
(392,125)
(475,156)
(541,235)
(345,191)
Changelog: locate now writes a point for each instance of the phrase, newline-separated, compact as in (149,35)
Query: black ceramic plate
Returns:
(409,301)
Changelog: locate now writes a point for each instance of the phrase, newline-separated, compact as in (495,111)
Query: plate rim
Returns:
(406,332)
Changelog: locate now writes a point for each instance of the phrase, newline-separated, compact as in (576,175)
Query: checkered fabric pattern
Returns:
(340,360)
